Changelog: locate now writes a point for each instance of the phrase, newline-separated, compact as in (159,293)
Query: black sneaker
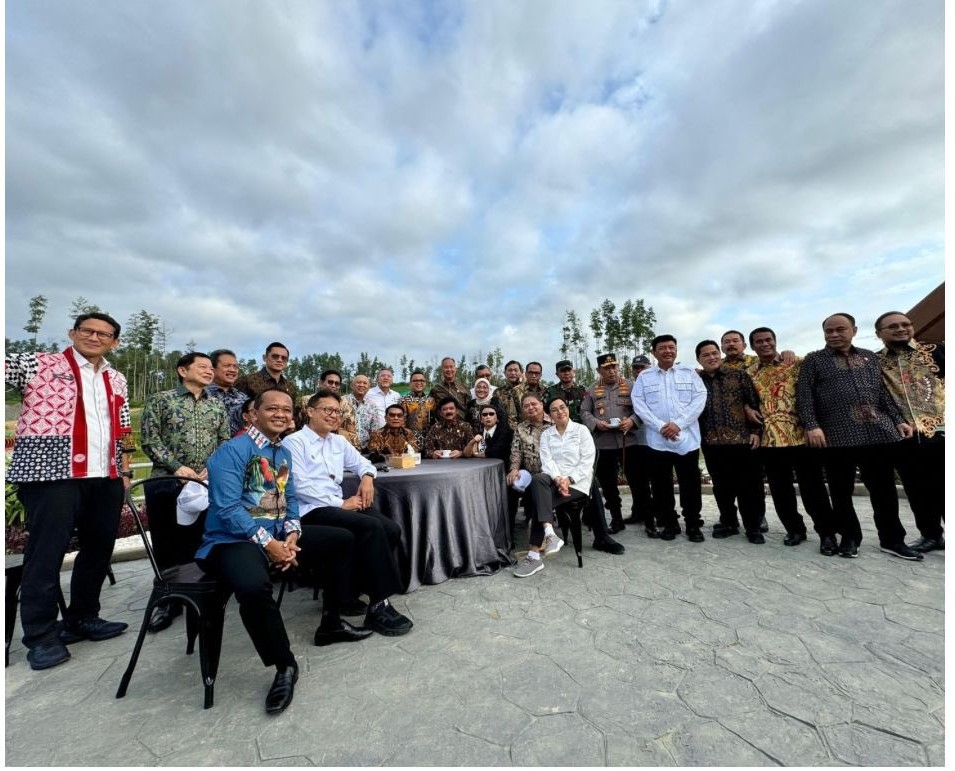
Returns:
(794,539)
(669,533)
(827,545)
(91,629)
(652,532)
(924,544)
(756,537)
(695,535)
(724,531)
(608,545)
(901,550)
(384,619)
(848,548)
(47,654)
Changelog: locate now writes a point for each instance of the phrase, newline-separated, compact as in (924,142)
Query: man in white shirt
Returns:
(381,397)
(669,398)
(320,459)
(567,454)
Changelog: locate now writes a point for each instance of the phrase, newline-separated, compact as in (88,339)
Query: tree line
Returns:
(144,357)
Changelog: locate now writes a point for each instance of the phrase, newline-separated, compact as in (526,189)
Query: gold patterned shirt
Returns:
(776,385)
(392,441)
(915,376)
(448,435)
(748,360)
(526,446)
(419,415)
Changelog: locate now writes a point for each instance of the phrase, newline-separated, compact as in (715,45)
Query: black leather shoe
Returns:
(756,537)
(634,519)
(282,690)
(848,548)
(924,545)
(827,545)
(615,526)
(794,539)
(669,533)
(162,616)
(387,621)
(46,655)
(763,525)
(355,607)
(608,545)
(652,532)
(91,629)
(345,633)
(724,531)
(695,535)
(903,551)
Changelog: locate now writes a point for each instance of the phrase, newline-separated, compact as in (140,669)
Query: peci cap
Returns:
(605,359)
(640,361)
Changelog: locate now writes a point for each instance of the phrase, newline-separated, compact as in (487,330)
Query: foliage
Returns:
(37,312)
(15,513)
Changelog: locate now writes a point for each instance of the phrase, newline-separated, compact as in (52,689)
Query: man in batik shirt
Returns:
(450,386)
(358,415)
(451,434)
(419,408)
(394,438)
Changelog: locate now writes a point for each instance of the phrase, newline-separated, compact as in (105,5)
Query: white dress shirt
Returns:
(381,401)
(676,395)
(96,409)
(571,454)
(319,465)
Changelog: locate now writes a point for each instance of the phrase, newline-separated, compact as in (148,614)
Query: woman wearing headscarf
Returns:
(483,398)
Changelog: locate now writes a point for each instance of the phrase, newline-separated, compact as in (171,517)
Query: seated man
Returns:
(450,434)
(567,454)
(394,438)
(253,513)
(320,459)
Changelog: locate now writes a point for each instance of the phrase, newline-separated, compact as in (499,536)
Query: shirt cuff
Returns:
(261,537)
(292,526)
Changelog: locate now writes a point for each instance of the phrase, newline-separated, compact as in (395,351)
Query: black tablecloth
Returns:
(453,517)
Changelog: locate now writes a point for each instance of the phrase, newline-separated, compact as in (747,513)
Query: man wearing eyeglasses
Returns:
(394,438)
(70,465)
(419,407)
(276,359)
(320,459)
(914,374)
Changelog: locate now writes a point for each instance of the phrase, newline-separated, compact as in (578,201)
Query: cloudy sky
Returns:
(447,177)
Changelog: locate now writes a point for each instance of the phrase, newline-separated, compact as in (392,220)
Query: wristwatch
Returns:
(127,474)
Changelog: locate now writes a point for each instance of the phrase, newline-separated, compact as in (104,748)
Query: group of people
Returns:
(275,463)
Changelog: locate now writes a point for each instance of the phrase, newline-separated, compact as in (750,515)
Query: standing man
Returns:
(669,398)
(450,386)
(358,415)
(533,373)
(225,371)
(70,469)
(271,375)
(382,396)
(642,512)
(847,409)
(729,445)
(733,345)
(914,373)
(320,459)
(180,429)
(512,393)
(783,448)
(419,408)
(607,411)
(567,389)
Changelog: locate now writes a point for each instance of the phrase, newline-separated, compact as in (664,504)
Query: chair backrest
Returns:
(137,514)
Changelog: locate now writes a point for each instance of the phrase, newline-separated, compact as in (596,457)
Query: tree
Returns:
(81,305)
(626,333)
(37,312)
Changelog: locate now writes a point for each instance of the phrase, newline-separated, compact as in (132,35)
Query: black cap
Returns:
(606,358)
(564,364)
(640,361)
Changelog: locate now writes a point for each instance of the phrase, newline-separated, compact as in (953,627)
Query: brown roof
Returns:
(928,316)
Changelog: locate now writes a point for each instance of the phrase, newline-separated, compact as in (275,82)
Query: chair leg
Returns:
(193,628)
(210,648)
(577,536)
(128,674)
(110,576)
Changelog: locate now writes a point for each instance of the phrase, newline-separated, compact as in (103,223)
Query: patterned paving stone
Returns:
(864,746)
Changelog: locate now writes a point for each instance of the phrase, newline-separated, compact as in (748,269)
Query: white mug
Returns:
(445,453)
(614,422)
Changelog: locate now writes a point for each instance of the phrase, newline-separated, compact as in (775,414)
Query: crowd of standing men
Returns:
(815,419)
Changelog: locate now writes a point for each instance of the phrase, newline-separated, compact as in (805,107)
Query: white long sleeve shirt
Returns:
(381,401)
(319,465)
(677,395)
(571,454)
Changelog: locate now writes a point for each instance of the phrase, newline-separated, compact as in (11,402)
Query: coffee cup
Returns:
(445,453)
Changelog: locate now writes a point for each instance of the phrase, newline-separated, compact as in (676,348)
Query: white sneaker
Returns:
(552,544)
(527,567)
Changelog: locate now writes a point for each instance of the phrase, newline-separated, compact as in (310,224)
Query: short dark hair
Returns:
(328,372)
(514,361)
(889,313)
(537,363)
(247,405)
(479,367)
(557,398)
(97,316)
(260,397)
(323,393)
(395,406)
(661,339)
(531,395)
(187,359)
(760,329)
(447,400)
(214,356)
(418,372)
(703,343)
(852,319)
(276,344)
(733,332)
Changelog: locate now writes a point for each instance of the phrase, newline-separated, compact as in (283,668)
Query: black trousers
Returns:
(662,465)
(875,467)
(920,462)
(606,472)
(598,515)
(737,477)
(244,567)
(376,536)
(54,509)
(780,464)
(173,544)
(545,497)
(642,507)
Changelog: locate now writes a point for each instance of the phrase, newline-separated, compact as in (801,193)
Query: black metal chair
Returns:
(204,598)
(568,516)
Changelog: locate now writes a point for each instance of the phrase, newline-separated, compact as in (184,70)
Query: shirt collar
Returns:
(261,439)
(82,361)
(181,390)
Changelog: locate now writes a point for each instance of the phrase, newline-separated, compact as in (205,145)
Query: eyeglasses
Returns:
(488,414)
(333,382)
(87,332)
(278,357)
(330,411)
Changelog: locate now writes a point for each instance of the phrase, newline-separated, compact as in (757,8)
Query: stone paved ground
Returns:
(721,653)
